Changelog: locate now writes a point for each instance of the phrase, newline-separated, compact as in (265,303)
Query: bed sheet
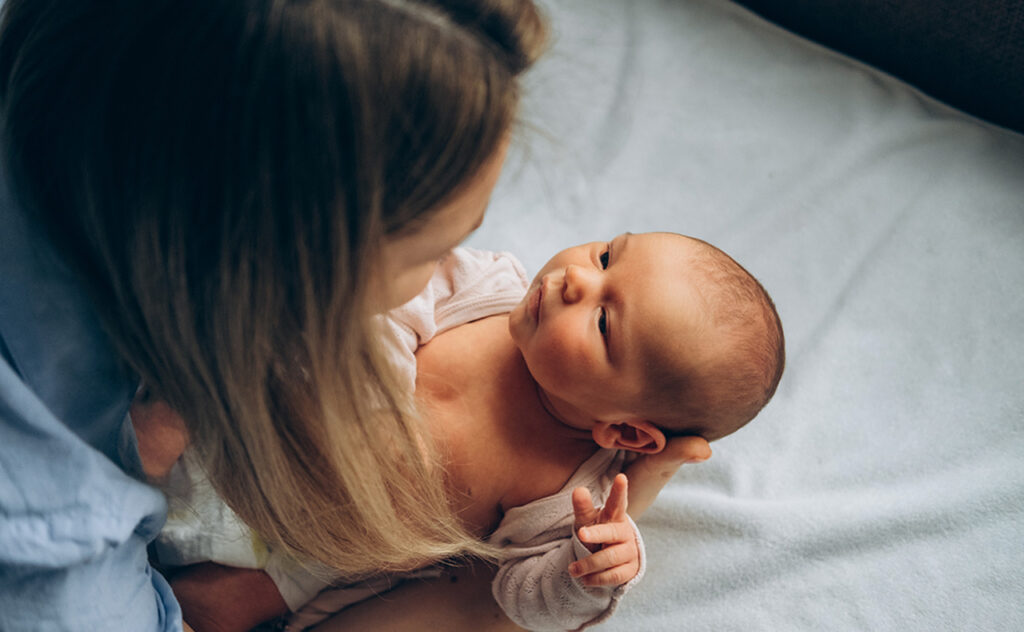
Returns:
(883,487)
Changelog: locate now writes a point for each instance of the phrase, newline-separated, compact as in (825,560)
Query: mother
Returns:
(212,198)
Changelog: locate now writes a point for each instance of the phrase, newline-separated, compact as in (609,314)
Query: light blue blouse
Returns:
(74,518)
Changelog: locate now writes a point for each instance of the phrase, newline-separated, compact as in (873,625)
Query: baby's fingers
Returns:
(605,559)
(612,577)
(611,566)
(583,506)
(606,533)
(618,499)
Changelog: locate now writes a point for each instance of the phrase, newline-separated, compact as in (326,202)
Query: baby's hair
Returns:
(222,174)
(712,399)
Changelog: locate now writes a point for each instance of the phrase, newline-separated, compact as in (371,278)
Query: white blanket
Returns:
(883,488)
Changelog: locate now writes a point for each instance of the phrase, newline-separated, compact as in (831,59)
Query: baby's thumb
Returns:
(583,506)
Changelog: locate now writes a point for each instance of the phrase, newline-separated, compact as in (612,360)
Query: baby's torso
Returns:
(501,449)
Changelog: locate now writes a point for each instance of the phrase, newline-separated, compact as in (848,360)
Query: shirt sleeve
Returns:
(74,529)
(534,588)
(73,525)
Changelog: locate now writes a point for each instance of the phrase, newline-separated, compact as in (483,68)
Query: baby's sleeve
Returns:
(534,588)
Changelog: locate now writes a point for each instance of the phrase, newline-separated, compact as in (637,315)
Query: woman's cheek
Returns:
(407,284)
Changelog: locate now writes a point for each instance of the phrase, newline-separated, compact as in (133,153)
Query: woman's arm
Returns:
(75,527)
(458,601)
(217,598)
(650,473)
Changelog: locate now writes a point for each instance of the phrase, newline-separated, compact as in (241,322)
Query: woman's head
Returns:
(409,257)
(307,131)
(232,179)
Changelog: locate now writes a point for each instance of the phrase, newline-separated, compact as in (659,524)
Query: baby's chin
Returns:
(515,322)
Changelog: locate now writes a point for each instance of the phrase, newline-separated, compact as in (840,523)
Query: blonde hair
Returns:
(222,176)
(714,397)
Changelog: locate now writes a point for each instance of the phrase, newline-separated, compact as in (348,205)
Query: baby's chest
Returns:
(489,474)
(476,493)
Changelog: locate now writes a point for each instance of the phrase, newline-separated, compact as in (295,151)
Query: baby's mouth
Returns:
(535,302)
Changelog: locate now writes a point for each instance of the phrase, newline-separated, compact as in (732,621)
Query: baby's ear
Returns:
(637,435)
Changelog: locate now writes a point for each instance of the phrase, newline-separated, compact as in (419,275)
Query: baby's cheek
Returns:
(554,338)
(546,361)
(565,353)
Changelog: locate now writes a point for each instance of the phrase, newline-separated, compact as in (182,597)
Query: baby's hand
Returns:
(608,535)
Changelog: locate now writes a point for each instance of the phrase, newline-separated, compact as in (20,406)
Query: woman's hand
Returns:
(161,436)
(608,535)
(651,472)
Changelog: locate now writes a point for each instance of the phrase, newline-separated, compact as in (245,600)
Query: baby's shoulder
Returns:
(465,352)
(545,471)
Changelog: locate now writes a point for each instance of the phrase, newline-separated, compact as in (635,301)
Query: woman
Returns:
(213,198)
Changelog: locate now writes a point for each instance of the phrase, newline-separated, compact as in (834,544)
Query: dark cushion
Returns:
(968,54)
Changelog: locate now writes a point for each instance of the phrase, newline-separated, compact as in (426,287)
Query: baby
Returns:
(537,401)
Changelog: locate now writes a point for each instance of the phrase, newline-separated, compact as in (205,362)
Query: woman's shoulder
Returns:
(52,338)
(476,284)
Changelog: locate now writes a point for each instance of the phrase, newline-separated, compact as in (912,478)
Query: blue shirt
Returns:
(74,517)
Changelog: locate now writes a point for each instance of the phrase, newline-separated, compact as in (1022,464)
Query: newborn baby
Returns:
(539,392)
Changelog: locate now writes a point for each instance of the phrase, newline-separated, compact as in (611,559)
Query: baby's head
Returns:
(648,336)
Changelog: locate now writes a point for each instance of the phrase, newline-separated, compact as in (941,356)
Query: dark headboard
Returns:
(967,54)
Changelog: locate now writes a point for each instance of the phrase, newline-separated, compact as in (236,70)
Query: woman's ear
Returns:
(637,435)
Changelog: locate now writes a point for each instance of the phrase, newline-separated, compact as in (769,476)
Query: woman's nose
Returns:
(577,284)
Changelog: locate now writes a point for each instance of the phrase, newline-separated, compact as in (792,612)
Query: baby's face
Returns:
(594,312)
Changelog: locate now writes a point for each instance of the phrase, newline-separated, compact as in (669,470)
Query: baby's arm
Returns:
(536,588)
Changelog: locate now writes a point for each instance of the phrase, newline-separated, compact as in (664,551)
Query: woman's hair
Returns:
(222,174)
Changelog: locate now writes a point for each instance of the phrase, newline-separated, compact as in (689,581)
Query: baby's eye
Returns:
(602,323)
(604,259)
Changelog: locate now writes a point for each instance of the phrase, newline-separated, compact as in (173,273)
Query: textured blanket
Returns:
(883,488)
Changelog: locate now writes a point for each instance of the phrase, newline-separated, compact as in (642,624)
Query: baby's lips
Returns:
(535,297)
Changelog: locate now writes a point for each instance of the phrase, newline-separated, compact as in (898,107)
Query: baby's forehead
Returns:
(667,302)
(666,319)
(665,278)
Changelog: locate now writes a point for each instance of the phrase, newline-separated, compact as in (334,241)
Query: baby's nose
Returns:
(576,284)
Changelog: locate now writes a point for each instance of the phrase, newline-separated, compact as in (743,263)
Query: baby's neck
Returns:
(479,364)
(525,404)
(502,446)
